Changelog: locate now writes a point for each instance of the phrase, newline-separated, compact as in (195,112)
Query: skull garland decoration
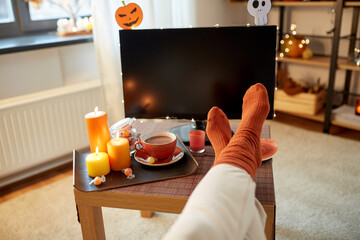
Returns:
(259,10)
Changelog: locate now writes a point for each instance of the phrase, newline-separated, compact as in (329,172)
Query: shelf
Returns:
(346,64)
(321,61)
(293,3)
(304,3)
(352,3)
(320,117)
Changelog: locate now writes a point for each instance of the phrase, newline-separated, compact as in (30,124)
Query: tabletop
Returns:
(182,187)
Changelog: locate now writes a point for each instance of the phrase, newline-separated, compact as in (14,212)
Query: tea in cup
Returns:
(159,145)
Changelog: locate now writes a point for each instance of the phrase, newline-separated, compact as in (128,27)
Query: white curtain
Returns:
(157,14)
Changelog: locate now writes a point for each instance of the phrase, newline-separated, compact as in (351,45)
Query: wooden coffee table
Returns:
(169,196)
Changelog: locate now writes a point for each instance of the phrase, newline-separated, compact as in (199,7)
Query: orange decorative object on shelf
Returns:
(98,130)
(293,45)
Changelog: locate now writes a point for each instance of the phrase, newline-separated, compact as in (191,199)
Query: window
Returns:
(6,12)
(18,17)
(54,11)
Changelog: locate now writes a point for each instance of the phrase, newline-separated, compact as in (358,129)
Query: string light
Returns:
(290,42)
(248,24)
(286,35)
(286,50)
(282,41)
(301,46)
(281,55)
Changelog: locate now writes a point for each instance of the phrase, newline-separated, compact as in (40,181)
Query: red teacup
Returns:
(159,145)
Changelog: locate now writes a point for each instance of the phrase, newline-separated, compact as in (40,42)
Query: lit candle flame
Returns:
(118,135)
(96,110)
(97,150)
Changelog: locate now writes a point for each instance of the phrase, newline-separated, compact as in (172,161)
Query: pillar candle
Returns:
(98,130)
(97,164)
(119,154)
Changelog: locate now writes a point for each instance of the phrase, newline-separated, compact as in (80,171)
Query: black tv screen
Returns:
(182,73)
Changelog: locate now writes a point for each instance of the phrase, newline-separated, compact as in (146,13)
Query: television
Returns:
(182,73)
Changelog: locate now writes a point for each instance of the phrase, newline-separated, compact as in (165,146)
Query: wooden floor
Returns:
(27,185)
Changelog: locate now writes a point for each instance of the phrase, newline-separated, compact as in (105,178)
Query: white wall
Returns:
(38,70)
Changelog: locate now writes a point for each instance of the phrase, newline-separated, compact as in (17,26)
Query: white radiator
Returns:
(38,128)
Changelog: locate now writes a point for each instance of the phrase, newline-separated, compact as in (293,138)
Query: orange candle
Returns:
(97,164)
(119,154)
(98,130)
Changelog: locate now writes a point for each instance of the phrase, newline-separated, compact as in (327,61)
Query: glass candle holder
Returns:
(197,141)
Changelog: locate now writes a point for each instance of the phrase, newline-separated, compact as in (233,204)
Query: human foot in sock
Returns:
(218,130)
(244,150)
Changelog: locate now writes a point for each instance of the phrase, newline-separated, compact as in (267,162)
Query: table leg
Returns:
(146,214)
(91,220)
(270,221)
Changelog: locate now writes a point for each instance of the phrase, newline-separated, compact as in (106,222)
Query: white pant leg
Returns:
(222,206)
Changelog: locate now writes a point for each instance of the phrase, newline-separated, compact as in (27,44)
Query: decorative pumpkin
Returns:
(293,45)
(129,16)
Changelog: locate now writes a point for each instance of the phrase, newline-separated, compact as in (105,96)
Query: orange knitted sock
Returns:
(218,130)
(244,150)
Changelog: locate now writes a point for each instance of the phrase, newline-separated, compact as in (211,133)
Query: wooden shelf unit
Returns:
(333,62)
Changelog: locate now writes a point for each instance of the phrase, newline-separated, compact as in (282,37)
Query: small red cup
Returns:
(197,141)
(159,145)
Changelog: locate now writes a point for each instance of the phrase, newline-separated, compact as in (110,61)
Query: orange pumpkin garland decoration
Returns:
(129,16)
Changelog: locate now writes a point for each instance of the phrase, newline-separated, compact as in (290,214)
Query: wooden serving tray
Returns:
(143,174)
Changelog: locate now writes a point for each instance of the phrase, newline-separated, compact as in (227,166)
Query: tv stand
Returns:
(183,131)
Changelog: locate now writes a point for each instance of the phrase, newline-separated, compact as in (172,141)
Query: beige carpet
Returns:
(317,183)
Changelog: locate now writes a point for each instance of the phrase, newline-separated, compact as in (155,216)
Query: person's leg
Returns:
(223,205)
(244,150)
